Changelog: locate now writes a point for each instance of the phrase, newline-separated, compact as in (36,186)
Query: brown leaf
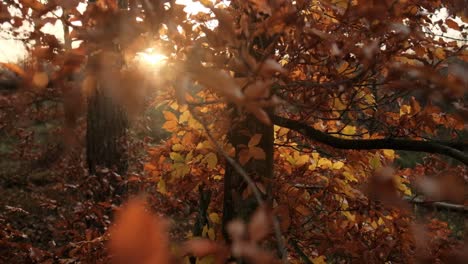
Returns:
(257,153)
(244,156)
(259,225)
(452,24)
(254,140)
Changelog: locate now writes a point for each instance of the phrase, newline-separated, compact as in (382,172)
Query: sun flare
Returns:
(152,57)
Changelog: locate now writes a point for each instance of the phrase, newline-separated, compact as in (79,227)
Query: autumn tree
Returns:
(301,107)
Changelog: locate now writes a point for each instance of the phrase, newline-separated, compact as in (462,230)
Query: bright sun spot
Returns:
(152,57)
(192,7)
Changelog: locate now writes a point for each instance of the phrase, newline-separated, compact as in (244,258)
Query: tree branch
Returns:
(437,147)
(443,205)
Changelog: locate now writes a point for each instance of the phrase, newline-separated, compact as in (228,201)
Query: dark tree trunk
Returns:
(105,133)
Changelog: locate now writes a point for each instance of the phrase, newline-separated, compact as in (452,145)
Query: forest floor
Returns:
(60,214)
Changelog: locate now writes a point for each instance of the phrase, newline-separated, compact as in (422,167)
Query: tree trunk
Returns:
(235,204)
(105,133)
(106,120)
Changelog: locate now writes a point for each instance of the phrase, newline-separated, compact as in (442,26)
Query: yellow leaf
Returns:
(389,153)
(184,117)
(324,163)
(338,104)
(162,186)
(375,162)
(349,130)
(180,169)
(337,165)
(211,159)
(380,221)
(319,260)
(349,176)
(193,123)
(211,234)
(313,166)
(282,132)
(349,216)
(214,217)
(405,109)
(401,186)
(177,147)
(300,160)
(176,157)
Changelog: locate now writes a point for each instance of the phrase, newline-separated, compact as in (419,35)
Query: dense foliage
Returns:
(317,106)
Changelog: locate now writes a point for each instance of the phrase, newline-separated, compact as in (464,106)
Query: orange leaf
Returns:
(138,236)
(40,80)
